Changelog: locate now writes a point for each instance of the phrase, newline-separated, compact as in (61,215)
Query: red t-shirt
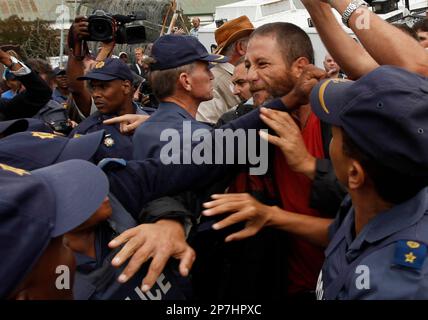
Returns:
(305,260)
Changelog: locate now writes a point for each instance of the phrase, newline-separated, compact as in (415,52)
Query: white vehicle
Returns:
(265,11)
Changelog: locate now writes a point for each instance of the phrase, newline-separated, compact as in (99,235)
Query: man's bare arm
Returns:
(76,68)
(351,56)
(386,44)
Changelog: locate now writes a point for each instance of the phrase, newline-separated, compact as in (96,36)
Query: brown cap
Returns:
(231,31)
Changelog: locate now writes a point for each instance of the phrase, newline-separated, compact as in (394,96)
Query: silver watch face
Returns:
(14,60)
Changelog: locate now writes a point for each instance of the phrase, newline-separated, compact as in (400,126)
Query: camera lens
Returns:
(101,30)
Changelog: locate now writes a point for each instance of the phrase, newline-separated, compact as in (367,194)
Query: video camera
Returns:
(106,27)
(146,90)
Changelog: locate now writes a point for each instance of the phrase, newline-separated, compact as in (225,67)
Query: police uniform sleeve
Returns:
(168,208)
(135,183)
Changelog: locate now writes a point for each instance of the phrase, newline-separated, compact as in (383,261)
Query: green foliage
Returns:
(35,38)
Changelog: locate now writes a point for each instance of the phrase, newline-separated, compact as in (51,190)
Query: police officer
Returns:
(36,213)
(61,93)
(379,240)
(33,150)
(112,90)
(179,91)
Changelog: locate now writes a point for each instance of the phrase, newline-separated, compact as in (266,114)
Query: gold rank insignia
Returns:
(19,172)
(108,141)
(43,135)
(413,244)
(77,135)
(410,254)
(410,257)
(99,64)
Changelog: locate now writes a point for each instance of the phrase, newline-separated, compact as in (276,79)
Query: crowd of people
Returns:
(102,196)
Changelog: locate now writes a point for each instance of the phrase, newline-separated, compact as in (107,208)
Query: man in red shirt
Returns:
(277,55)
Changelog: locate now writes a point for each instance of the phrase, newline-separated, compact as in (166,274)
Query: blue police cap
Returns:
(385,113)
(35,207)
(108,70)
(33,150)
(25,124)
(59,71)
(13,126)
(172,51)
(38,125)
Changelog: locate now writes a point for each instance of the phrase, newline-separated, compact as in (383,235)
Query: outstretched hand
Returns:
(301,91)
(128,122)
(243,208)
(159,241)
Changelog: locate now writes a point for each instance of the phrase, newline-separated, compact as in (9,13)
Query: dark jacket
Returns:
(29,102)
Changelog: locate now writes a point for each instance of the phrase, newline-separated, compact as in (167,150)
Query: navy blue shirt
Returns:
(58,97)
(391,251)
(115,144)
(169,286)
(96,278)
(147,138)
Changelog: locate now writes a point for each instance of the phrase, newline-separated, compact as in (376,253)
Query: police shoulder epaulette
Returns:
(410,254)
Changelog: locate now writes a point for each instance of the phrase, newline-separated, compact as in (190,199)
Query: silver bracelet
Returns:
(350,9)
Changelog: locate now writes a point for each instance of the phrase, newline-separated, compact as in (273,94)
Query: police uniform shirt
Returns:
(386,260)
(96,278)
(115,144)
(170,116)
(58,97)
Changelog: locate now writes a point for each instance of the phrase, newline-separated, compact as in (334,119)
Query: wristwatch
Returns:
(350,9)
(14,62)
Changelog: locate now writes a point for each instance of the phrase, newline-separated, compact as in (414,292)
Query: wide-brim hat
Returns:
(231,31)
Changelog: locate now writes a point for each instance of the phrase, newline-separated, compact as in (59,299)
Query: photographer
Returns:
(29,102)
(79,62)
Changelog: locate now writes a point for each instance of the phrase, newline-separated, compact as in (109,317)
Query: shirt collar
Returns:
(139,109)
(227,66)
(57,93)
(175,108)
(249,101)
(388,222)
(398,217)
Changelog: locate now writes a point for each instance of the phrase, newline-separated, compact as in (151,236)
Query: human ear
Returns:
(241,48)
(356,175)
(185,81)
(298,65)
(127,87)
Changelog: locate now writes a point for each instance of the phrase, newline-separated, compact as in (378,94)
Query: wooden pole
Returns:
(165,19)
(174,17)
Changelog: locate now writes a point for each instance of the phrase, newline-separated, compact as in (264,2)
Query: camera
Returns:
(220,22)
(63,127)
(146,90)
(106,27)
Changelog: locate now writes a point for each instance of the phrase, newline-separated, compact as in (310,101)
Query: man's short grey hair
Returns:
(229,50)
(164,82)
